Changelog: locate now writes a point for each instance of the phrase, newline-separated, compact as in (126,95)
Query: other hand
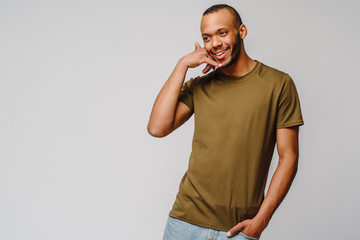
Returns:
(249,227)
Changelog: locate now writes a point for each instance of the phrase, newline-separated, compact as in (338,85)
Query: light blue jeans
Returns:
(177,229)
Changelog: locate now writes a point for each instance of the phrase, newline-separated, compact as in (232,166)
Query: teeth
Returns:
(217,54)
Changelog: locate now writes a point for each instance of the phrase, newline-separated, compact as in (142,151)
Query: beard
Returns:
(235,53)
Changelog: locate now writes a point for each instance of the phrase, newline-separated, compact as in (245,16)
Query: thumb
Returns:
(197,46)
(237,228)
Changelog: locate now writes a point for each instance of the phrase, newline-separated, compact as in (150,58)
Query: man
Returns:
(241,109)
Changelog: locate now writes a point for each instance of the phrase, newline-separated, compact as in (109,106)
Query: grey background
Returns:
(77,83)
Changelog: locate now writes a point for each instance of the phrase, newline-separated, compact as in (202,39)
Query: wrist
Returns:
(261,221)
(183,63)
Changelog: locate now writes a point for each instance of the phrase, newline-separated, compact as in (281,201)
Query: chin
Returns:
(227,63)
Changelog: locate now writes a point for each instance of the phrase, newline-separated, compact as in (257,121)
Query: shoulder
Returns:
(271,73)
(277,81)
(274,77)
(202,80)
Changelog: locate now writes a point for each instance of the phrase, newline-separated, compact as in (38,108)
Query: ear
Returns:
(242,31)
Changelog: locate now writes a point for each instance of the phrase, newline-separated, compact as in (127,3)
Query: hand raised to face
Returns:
(198,57)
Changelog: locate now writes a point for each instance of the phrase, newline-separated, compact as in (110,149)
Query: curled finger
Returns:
(207,68)
(212,62)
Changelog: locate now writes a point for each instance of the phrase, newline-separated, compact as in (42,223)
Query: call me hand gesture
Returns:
(198,57)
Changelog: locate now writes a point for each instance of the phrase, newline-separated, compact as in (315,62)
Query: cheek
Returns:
(230,42)
(207,47)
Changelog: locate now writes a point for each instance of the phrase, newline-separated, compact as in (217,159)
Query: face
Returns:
(221,37)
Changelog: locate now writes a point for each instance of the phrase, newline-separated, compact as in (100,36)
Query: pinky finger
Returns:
(207,68)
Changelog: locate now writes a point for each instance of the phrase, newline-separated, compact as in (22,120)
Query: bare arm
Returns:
(168,113)
(287,146)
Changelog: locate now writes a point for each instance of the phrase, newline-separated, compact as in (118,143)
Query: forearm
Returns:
(163,112)
(278,188)
(287,145)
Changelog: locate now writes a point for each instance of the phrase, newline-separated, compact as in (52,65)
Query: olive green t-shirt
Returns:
(234,138)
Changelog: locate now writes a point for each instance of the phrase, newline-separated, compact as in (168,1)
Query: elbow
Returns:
(158,133)
(294,165)
(295,168)
(290,161)
(296,162)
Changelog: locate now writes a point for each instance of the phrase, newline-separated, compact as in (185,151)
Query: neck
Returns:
(242,66)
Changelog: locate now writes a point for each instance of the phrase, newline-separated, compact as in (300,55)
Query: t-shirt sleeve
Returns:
(288,109)
(186,94)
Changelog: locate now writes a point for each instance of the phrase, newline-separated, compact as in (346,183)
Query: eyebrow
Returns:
(220,29)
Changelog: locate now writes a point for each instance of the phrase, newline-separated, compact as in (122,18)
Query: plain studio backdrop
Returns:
(78,80)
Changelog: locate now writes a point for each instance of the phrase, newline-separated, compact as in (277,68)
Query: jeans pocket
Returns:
(248,237)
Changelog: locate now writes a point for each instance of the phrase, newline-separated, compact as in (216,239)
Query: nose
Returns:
(216,42)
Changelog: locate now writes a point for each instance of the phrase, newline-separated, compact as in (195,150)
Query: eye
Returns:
(222,33)
(205,38)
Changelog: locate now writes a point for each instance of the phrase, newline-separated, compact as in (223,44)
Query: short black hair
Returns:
(218,7)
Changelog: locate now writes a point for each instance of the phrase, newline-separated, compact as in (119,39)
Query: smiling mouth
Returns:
(221,54)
